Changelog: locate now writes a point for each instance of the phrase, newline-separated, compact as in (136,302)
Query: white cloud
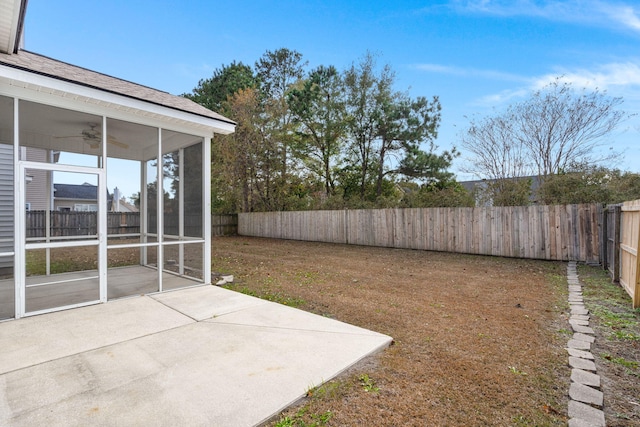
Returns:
(592,12)
(469,72)
(618,79)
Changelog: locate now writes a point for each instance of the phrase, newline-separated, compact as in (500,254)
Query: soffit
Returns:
(11,12)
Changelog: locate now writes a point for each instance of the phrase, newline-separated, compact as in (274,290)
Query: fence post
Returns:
(613,241)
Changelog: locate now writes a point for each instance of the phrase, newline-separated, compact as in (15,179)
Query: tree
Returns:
(361,84)
(278,71)
(318,108)
(225,82)
(589,184)
(545,134)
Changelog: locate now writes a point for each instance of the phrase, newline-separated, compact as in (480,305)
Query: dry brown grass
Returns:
(478,340)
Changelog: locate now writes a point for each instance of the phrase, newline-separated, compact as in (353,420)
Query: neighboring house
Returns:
(53,113)
(479,187)
(117,203)
(78,198)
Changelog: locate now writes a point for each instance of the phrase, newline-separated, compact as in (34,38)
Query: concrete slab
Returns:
(236,369)
(32,340)
(206,302)
(281,316)
(586,378)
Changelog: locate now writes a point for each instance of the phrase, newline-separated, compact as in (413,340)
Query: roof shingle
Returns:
(39,64)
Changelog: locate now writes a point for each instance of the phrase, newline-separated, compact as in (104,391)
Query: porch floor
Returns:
(197,356)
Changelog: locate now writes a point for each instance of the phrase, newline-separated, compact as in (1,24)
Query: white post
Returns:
(160,209)
(206,209)
(102,216)
(19,213)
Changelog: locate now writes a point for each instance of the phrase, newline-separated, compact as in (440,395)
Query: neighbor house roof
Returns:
(75,191)
(42,65)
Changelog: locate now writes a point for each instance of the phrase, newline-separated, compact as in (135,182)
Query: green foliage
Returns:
(368,384)
(304,419)
(505,192)
(584,184)
(443,194)
(268,295)
(320,139)
(225,82)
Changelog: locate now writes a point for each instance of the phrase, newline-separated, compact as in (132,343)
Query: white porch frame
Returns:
(175,124)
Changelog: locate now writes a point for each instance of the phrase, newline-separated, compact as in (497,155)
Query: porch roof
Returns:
(48,67)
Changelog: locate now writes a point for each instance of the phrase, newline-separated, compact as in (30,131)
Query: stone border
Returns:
(585,396)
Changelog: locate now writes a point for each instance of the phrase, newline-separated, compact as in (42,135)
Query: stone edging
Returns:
(585,396)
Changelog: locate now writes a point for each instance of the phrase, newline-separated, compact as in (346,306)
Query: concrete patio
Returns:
(202,356)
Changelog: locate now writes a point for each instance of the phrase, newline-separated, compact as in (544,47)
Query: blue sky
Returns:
(476,56)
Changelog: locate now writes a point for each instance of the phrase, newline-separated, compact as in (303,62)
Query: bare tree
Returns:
(497,155)
(561,127)
(554,129)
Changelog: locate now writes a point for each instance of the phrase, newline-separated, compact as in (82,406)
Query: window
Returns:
(85,207)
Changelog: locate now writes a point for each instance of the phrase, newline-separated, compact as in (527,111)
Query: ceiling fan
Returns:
(93,137)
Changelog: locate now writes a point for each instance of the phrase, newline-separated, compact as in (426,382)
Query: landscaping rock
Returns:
(577,422)
(583,377)
(585,394)
(580,345)
(586,413)
(582,329)
(578,322)
(580,353)
(580,317)
(584,364)
(582,311)
(583,337)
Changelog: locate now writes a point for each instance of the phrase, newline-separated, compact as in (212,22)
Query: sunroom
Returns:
(63,126)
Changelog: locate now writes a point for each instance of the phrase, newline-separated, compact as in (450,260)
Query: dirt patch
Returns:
(477,340)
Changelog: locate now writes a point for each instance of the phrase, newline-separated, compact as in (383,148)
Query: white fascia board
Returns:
(75,96)
(11,11)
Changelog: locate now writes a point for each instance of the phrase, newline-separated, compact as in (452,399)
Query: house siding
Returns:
(6,203)
(38,189)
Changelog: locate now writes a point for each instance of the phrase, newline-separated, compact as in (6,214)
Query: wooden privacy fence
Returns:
(540,232)
(629,245)
(224,225)
(72,223)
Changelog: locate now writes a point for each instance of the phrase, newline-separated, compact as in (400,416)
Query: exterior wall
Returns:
(38,188)
(71,204)
(6,202)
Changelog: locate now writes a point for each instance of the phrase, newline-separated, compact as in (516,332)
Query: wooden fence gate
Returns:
(629,244)
(610,240)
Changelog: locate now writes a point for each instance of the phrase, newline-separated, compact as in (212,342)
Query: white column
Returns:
(102,216)
(206,209)
(160,209)
(19,213)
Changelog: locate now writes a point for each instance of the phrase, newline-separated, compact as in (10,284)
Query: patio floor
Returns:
(197,356)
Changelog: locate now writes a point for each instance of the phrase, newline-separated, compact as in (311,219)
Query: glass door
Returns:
(61,237)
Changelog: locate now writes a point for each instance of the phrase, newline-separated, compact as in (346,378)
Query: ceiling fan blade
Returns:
(113,141)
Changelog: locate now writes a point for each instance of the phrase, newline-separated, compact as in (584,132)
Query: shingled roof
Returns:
(74,191)
(42,65)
